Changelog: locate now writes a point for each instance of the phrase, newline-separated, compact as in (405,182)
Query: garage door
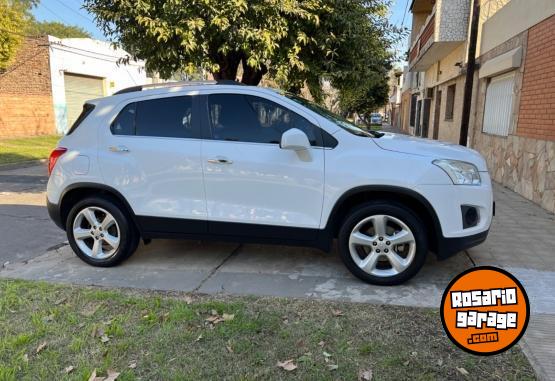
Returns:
(79,89)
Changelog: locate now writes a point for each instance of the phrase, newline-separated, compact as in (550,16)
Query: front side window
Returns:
(245,118)
(338,120)
(164,117)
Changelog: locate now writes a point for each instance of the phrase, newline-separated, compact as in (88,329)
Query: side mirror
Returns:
(294,139)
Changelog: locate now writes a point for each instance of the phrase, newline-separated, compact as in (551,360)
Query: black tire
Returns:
(129,236)
(399,211)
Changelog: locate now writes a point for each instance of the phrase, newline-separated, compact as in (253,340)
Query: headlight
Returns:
(460,172)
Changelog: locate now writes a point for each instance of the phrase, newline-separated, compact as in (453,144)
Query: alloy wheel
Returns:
(96,233)
(382,245)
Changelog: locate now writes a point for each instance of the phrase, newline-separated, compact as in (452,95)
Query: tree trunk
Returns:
(252,76)
(229,64)
(294,88)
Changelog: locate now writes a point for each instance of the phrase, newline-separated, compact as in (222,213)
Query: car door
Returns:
(253,187)
(151,155)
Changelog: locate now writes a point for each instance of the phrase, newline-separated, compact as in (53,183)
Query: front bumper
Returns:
(447,247)
(55,214)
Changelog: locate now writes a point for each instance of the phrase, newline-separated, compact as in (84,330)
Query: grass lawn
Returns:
(25,149)
(51,332)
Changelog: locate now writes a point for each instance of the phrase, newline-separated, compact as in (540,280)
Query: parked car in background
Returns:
(248,164)
(376,118)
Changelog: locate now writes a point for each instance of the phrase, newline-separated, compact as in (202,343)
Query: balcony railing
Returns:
(444,30)
(424,36)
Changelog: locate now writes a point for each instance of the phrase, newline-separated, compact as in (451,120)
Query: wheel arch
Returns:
(408,197)
(78,191)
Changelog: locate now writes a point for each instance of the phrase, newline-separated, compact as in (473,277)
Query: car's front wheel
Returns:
(100,232)
(383,243)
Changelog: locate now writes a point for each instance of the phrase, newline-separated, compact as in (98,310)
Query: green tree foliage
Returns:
(14,15)
(56,29)
(296,43)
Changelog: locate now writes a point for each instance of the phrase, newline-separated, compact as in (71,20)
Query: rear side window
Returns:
(164,117)
(87,109)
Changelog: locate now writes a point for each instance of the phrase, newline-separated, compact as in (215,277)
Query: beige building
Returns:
(393,107)
(512,117)
(437,56)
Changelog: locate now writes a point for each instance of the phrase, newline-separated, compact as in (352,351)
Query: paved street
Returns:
(25,227)
(520,240)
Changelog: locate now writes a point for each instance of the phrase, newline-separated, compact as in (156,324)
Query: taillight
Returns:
(54,156)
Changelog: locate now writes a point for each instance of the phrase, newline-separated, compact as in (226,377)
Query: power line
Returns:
(405,13)
(23,62)
(59,44)
(112,59)
(53,13)
(74,11)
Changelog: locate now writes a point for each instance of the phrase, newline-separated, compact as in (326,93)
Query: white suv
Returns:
(239,163)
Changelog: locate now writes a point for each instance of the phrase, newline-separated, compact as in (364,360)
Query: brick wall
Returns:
(537,99)
(26,93)
(521,163)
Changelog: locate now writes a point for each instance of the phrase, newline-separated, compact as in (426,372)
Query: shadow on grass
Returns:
(11,158)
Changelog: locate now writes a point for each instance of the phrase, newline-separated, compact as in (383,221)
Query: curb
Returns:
(23,164)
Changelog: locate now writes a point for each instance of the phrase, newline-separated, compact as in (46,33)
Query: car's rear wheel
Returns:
(383,243)
(100,232)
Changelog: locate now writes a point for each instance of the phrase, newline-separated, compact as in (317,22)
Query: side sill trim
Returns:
(161,227)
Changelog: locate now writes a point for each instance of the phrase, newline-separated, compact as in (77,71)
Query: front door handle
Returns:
(118,149)
(220,160)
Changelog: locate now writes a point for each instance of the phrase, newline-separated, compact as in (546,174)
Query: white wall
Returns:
(90,57)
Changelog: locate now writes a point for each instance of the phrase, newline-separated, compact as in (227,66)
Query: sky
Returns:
(400,16)
(71,12)
(67,12)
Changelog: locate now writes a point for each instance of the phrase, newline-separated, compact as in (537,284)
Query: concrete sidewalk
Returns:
(209,267)
(522,241)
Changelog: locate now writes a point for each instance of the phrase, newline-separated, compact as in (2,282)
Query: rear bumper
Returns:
(55,214)
(447,247)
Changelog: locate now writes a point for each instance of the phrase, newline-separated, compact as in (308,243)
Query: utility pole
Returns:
(470,69)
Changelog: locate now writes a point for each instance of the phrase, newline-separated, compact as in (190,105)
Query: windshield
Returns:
(335,118)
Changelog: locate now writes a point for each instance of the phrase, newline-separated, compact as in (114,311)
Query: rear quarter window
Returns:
(87,109)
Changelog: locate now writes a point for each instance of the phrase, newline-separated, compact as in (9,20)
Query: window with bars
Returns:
(499,105)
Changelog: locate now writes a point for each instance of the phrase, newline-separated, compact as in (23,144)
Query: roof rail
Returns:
(177,84)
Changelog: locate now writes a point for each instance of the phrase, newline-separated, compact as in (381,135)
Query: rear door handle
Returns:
(118,149)
(220,160)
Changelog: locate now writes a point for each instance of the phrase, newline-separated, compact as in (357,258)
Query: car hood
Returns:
(430,148)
